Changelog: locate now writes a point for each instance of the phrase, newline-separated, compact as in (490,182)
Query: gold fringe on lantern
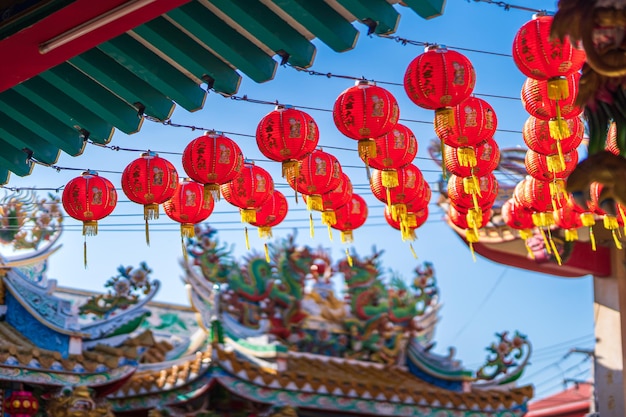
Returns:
(245,232)
(346,236)
(471,185)
(329,217)
(212,190)
(558,88)
(367,149)
(559,129)
(147,231)
(311,226)
(474,218)
(571,235)
(267,253)
(543,219)
(398,211)
(187,230)
(622,216)
(349,258)
(265,232)
(407,233)
(410,219)
(527,234)
(444,117)
(546,242)
(314,202)
(555,163)
(90,228)
(291,169)
(610,223)
(389,178)
(150,211)
(589,220)
(412,251)
(466,156)
(85,252)
(472,237)
(248,215)
(555,252)
(330,233)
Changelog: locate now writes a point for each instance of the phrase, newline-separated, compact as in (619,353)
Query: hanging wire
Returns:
(507,6)
(405,41)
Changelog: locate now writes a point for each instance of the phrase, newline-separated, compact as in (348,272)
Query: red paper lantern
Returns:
(364,112)
(473,192)
(319,173)
(21,404)
(188,206)
(517,217)
(287,135)
(608,208)
(212,160)
(332,200)
(394,150)
(89,198)
(439,79)
(487,158)
(410,185)
(271,213)
(414,220)
(549,167)
(536,134)
(568,219)
(350,216)
(459,217)
(540,56)
(474,121)
(543,197)
(536,100)
(249,190)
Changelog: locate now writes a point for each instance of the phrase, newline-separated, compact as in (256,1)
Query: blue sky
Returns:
(479,297)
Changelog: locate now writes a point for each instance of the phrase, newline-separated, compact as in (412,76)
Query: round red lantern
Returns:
(271,213)
(249,190)
(287,135)
(394,150)
(89,198)
(478,193)
(486,159)
(474,121)
(149,180)
(188,206)
(536,101)
(21,404)
(212,160)
(536,134)
(568,219)
(350,216)
(549,167)
(364,112)
(319,173)
(469,221)
(415,219)
(607,208)
(334,199)
(542,57)
(410,185)
(518,217)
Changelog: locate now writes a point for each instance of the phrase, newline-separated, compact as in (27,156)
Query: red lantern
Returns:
(536,134)
(334,199)
(474,121)
(89,198)
(287,135)
(394,150)
(487,158)
(543,197)
(540,56)
(547,168)
(518,217)
(410,185)
(537,102)
(271,213)
(415,219)
(149,180)
(568,218)
(439,79)
(188,206)
(21,404)
(473,192)
(249,190)
(351,216)
(212,160)
(470,221)
(608,209)
(364,112)
(320,173)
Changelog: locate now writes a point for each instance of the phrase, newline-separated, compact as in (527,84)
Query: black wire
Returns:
(507,6)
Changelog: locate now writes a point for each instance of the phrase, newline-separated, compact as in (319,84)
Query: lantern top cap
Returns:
(436,48)
(248,161)
(149,154)
(213,133)
(90,172)
(283,106)
(364,82)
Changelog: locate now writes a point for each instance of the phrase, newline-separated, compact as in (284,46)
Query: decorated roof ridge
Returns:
(361,380)
(439,366)
(166,376)
(98,365)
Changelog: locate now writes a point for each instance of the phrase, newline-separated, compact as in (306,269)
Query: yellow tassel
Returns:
(543,219)
(346,236)
(330,233)
(444,117)
(147,231)
(559,129)
(592,237)
(527,234)
(184,248)
(555,163)
(398,211)
(571,235)
(558,88)
(267,252)
(187,230)
(412,251)
(311,226)
(265,232)
(588,219)
(245,232)
(474,218)
(212,191)
(85,252)
(466,156)
(556,253)
(411,220)
(329,218)
(389,178)
(150,211)
(314,202)
(407,234)
(349,258)
(388,198)
(248,215)
(622,216)
(610,223)
(472,238)
(367,149)
(90,228)
(291,169)
(546,243)
(471,185)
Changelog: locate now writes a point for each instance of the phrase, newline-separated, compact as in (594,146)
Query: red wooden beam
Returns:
(97,22)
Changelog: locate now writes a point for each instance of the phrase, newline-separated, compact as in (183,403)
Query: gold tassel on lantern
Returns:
(291,169)
(314,202)
(413,251)
(444,118)
(471,185)
(150,211)
(555,252)
(622,216)
(474,218)
(472,237)
(559,129)
(558,89)
(248,215)
(398,211)
(610,223)
(329,217)
(346,236)
(543,219)
(466,156)
(245,232)
(367,149)
(527,234)
(186,230)
(571,235)
(589,220)
(212,190)
(556,163)
(389,178)
(267,252)
(265,232)
(311,226)
(349,258)
(90,228)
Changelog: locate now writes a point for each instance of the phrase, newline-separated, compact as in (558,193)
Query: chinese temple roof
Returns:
(85,70)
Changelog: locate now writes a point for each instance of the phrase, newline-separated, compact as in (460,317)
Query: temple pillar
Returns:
(610,332)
